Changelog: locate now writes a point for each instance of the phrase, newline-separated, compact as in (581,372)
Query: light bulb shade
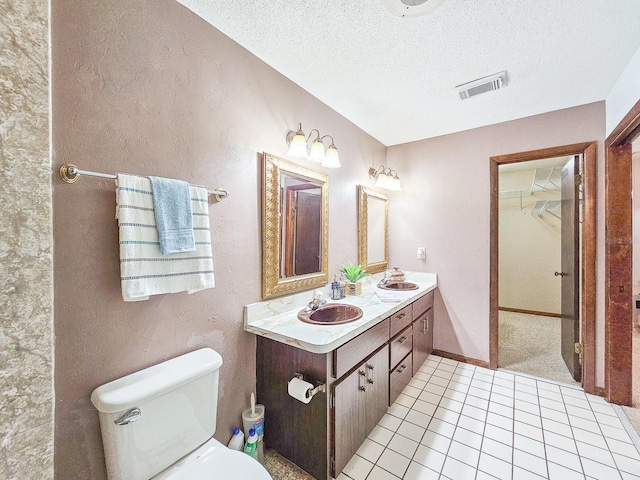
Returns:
(382,181)
(331,159)
(395,184)
(298,147)
(317,152)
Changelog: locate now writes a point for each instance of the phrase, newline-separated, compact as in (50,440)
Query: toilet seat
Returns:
(214,460)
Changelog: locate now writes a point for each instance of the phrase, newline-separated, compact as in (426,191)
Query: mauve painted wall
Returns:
(147,87)
(444,206)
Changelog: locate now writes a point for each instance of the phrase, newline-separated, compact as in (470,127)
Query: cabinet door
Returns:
(360,403)
(422,339)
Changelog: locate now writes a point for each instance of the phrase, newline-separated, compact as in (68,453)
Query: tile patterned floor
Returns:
(456,421)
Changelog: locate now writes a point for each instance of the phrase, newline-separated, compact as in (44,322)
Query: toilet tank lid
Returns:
(131,390)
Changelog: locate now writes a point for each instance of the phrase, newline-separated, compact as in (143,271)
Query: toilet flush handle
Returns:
(129,417)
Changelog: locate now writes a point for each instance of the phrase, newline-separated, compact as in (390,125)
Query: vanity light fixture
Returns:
(297,142)
(385,178)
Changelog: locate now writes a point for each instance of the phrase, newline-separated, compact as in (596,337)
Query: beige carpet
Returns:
(530,344)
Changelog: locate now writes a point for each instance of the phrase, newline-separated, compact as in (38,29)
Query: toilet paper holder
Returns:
(321,387)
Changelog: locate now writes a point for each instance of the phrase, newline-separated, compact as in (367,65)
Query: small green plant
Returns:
(354,272)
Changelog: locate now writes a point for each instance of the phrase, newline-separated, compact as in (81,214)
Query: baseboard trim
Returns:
(599,391)
(461,358)
(530,312)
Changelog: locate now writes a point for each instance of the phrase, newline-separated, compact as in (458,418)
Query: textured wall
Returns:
(26,368)
(529,248)
(147,87)
(444,206)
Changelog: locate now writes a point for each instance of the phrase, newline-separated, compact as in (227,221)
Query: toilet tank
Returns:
(153,417)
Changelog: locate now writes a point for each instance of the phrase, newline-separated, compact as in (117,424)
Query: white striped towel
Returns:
(144,270)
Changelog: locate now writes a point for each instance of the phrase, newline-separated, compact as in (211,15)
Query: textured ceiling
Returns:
(395,77)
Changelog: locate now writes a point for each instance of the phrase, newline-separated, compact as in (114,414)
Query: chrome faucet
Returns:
(317,301)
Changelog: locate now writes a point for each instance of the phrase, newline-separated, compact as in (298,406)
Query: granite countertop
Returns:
(277,318)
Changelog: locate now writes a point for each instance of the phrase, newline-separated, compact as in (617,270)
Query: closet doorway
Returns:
(539,277)
(525,291)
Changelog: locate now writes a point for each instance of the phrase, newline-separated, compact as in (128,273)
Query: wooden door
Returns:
(570,238)
(308,228)
(360,402)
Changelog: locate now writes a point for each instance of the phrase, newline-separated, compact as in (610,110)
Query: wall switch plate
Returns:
(422,253)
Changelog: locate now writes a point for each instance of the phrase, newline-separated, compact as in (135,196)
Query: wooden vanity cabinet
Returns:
(360,402)
(422,330)
(362,377)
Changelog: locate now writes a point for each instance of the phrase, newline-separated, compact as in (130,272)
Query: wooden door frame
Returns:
(619,259)
(588,150)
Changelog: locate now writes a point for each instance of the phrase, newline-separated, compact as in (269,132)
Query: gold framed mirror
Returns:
(295,227)
(373,229)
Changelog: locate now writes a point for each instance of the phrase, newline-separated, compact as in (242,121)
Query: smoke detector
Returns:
(411,8)
(482,85)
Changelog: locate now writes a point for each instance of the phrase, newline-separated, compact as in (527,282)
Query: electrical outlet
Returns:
(422,253)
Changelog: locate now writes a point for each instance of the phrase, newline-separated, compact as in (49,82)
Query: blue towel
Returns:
(172,209)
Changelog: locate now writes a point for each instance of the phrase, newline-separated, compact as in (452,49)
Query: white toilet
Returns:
(158,423)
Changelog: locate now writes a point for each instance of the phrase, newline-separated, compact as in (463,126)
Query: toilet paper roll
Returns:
(300,390)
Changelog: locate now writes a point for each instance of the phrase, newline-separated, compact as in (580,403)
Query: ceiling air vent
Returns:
(411,8)
(482,85)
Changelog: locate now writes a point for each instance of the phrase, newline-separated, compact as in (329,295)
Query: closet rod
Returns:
(70,174)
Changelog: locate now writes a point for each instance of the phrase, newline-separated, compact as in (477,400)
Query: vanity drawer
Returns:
(354,351)
(400,345)
(400,320)
(422,304)
(399,378)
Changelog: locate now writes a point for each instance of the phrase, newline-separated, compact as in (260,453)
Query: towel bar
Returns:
(70,174)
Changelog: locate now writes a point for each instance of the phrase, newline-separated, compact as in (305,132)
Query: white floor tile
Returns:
(499,434)
(528,445)
(497,449)
(599,470)
(381,474)
(564,458)
(390,422)
(437,442)
(622,448)
(468,438)
(471,424)
(443,428)
(494,466)
(370,450)
(425,407)
(419,472)
(559,472)
(627,464)
(594,453)
(393,462)
(411,431)
(398,410)
(455,421)
(523,474)
(418,418)
(530,462)
(479,392)
(560,441)
(527,430)
(446,415)
(358,468)
(403,445)
(500,421)
(429,457)
(457,470)
(464,453)
(381,435)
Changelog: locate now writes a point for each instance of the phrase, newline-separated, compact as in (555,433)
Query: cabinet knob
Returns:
(401,368)
(403,339)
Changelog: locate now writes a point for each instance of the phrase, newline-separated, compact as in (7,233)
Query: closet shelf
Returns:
(546,206)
